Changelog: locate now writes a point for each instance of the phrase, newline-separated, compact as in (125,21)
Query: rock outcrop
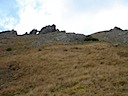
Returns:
(48,34)
(48,29)
(8,34)
(115,35)
(55,37)
(44,30)
(33,32)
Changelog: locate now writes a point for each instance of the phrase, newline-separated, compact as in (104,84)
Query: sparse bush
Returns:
(8,94)
(26,47)
(39,50)
(9,49)
(65,50)
(90,38)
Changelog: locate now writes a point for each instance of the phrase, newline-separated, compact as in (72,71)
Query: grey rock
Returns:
(115,35)
(33,32)
(76,37)
(48,34)
(8,34)
(48,29)
(59,37)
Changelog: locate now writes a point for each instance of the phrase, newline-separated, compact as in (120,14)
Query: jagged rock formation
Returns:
(115,35)
(8,34)
(44,30)
(48,34)
(33,32)
(48,29)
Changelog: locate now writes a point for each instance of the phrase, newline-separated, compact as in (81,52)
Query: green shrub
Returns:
(90,38)
(9,49)
(39,50)
(8,94)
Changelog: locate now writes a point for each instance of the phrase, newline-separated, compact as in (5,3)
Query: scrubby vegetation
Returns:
(90,38)
(92,69)
(9,49)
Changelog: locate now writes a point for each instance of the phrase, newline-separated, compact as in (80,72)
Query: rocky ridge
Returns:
(48,34)
(44,30)
(8,34)
(115,36)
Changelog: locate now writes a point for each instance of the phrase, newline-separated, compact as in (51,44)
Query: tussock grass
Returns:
(93,69)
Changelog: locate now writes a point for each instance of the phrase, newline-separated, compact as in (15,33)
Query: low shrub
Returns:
(9,49)
(39,50)
(8,94)
(90,38)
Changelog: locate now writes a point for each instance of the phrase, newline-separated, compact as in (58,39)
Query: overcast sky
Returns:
(79,16)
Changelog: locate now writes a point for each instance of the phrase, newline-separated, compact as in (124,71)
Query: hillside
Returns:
(88,69)
(50,62)
(115,36)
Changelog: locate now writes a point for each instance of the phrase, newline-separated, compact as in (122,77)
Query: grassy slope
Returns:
(93,69)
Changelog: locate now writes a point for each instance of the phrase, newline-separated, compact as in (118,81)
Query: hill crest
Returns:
(115,35)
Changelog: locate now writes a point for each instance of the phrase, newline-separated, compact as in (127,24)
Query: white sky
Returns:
(79,16)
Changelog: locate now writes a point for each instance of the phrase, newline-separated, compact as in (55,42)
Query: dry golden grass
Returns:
(93,69)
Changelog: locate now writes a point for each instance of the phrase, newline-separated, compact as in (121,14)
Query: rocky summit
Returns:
(44,30)
(50,34)
(8,34)
(47,34)
(115,36)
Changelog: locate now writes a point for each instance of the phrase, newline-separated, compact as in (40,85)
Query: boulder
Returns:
(33,32)
(48,29)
